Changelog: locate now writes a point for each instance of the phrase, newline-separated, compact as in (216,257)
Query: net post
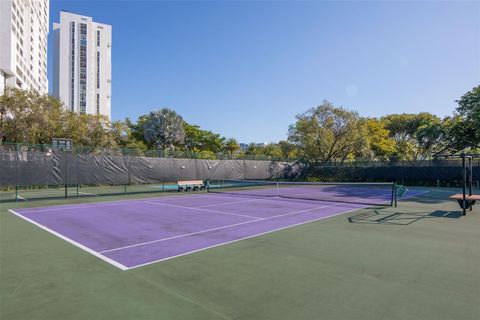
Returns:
(16,193)
(394,195)
(464,189)
(78,191)
(125,189)
(470,178)
(66,191)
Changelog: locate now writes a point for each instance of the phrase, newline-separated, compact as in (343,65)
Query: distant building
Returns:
(23,44)
(82,64)
(244,146)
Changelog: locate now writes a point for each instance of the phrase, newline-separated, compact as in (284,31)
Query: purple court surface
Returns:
(134,233)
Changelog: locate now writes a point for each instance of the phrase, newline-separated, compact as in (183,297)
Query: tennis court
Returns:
(374,262)
(134,233)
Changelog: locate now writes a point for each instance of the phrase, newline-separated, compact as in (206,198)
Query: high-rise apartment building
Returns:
(82,65)
(23,44)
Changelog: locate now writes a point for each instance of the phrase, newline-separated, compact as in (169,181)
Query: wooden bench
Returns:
(459,196)
(190,185)
(469,199)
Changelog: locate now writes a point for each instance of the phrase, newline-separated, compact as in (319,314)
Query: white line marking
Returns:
(108,203)
(19,197)
(213,229)
(200,209)
(88,194)
(225,203)
(81,246)
(252,236)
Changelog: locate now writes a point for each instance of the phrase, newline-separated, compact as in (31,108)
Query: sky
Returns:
(246,69)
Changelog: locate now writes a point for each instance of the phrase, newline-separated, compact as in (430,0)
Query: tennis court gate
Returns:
(27,168)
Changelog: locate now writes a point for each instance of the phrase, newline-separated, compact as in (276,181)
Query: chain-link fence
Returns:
(29,171)
(426,172)
(150,153)
(24,171)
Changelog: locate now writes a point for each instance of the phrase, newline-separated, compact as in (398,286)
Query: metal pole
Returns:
(394,195)
(464,200)
(470,178)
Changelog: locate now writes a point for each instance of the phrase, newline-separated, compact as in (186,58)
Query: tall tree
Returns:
(403,129)
(198,140)
(231,145)
(252,149)
(163,129)
(287,149)
(326,133)
(466,130)
(381,146)
(430,138)
(27,116)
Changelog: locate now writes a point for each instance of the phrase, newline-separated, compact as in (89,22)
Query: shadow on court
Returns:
(402,219)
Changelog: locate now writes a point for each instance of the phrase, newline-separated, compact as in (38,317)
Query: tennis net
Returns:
(381,194)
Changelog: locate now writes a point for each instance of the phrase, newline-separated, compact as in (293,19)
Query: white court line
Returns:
(252,236)
(200,209)
(88,194)
(19,197)
(225,203)
(81,246)
(213,229)
(110,203)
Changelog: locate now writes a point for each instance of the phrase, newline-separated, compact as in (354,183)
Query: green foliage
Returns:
(465,130)
(415,135)
(287,149)
(201,141)
(27,116)
(163,129)
(320,135)
(326,133)
(382,147)
(231,145)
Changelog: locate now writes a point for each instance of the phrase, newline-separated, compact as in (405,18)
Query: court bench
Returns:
(191,185)
(469,200)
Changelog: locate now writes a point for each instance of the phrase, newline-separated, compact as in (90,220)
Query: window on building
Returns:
(98,103)
(98,70)
(83,68)
(72,65)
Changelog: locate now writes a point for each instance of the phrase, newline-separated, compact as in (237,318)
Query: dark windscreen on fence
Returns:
(62,168)
(427,172)
(27,167)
